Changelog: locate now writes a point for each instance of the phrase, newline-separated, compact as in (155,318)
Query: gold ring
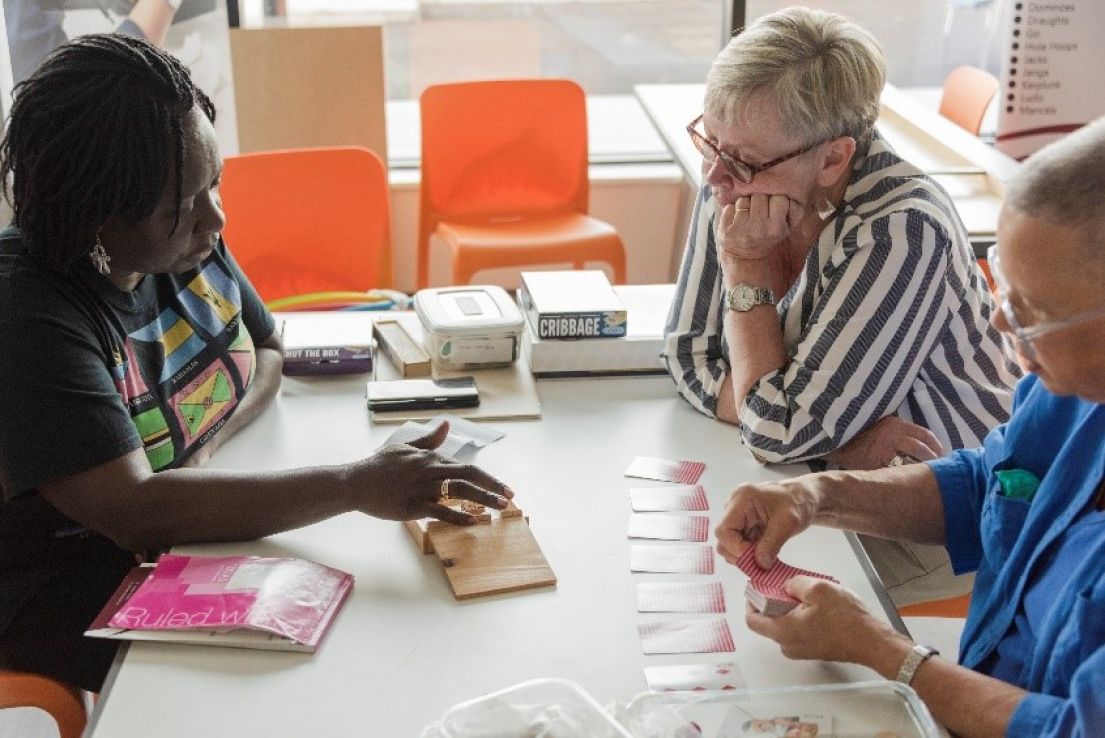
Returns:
(445,489)
(742,210)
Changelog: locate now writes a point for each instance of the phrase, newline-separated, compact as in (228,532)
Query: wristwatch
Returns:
(918,655)
(742,297)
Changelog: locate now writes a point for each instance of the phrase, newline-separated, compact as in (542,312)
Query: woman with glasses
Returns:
(1026,511)
(829,302)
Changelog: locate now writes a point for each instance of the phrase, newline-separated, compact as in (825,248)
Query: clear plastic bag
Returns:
(540,708)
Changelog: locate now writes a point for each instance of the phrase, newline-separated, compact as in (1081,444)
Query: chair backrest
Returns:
(967,93)
(308,220)
(502,149)
(62,702)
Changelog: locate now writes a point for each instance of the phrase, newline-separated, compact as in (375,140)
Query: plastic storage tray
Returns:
(858,710)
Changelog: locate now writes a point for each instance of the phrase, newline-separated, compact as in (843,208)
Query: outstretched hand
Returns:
(406,481)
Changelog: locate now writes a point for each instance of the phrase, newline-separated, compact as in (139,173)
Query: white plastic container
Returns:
(470,327)
(879,709)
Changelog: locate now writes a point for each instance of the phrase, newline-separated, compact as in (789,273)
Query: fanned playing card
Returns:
(700,635)
(669,499)
(669,527)
(693,677)
(665,470)
(680,597)
(672,559)
(765,586)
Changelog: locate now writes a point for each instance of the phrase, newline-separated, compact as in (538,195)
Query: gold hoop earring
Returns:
(99,257)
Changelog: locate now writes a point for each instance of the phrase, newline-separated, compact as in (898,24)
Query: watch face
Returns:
(744,298)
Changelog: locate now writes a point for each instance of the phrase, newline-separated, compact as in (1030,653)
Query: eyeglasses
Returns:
(742,170)
(1025,336)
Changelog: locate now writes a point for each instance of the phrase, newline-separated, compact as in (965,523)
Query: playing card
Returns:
(740,723)
(672,559)
(770,602)
(680,597)
(668,499)
(765,586)
(686,677)
(700,635)
(669,527)
(665,470)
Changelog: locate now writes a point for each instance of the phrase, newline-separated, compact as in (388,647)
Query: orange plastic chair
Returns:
(967,93)
(505,181)
(984,267)
(953,607)
(308,220)
(64,704)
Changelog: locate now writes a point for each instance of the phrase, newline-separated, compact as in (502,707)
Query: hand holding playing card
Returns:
(766,590)
(831,625)
(767,514)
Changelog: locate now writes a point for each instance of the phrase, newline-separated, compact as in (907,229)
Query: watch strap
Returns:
(917,655)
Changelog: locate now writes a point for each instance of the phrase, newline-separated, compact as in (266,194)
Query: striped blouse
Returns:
(889,316)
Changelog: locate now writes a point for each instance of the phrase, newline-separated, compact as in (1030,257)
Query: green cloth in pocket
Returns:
(1018,484)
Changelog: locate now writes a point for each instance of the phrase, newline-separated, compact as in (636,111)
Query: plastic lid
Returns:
(468,310)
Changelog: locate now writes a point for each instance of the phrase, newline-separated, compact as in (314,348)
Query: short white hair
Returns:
(823,73)
(1064,182)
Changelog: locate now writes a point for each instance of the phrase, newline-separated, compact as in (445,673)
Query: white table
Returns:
(973,172)
(403,650)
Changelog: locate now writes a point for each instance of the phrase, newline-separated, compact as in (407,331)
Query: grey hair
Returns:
(1064,182)
(823,73)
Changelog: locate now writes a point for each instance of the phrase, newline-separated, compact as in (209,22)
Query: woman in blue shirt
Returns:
(1026,511)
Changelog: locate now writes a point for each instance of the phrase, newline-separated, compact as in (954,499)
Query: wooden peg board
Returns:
(498,554)
(405,353)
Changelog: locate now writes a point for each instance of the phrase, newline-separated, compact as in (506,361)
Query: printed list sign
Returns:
(1053,52)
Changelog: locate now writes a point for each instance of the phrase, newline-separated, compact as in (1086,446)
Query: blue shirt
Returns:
(1014,544)
(1046,582)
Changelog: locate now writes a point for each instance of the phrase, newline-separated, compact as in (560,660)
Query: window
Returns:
(605,45)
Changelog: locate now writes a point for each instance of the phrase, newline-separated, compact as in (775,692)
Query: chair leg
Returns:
(619,273)
(953,607)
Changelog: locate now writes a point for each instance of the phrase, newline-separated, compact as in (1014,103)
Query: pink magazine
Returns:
(245,601)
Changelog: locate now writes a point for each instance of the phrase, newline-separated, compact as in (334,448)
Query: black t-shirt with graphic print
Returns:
(89,373)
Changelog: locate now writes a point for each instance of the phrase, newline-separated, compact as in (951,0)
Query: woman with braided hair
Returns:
(131,347)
